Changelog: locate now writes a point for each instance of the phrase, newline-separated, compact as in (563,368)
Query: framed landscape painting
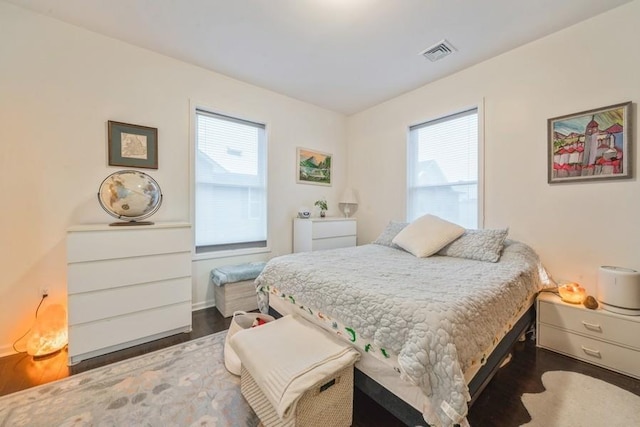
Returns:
(314,167)
(133,145)
(590,145)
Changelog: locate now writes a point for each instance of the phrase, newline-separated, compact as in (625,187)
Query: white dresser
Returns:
(315,234)
(126,285)
(600,337)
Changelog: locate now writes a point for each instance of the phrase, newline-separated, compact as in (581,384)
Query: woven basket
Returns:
(328,403)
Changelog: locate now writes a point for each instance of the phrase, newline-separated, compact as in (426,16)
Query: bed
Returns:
(431,331)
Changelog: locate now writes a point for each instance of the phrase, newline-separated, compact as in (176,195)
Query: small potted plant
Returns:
(322,204)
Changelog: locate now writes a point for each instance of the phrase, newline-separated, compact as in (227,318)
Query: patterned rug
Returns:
(573,400)
(183,385)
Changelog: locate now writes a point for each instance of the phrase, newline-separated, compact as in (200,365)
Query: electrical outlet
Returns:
(44,291)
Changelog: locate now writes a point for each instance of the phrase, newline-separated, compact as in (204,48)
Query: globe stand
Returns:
(128,223)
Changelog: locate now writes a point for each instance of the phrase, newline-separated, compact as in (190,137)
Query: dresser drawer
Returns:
(620,359)
(595,324)
(91,306)
(90,339)
(125,242)
(333,243)
(113,273)
(323,230)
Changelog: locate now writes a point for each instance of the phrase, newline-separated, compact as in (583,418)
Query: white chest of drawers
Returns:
(315,234)
(126,285)
(599,337)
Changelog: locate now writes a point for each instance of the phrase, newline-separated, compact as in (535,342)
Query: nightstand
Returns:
(600,337)
(315,234)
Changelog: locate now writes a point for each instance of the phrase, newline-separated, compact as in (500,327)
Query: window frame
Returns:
(410,155)
(233,252)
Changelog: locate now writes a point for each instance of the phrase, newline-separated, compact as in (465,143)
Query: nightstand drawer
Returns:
(595,324)
(323,230)
(620,359)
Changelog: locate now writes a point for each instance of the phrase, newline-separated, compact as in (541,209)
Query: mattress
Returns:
(430,322)
(384,371)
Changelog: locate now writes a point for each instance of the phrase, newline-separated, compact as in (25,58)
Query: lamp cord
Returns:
(28,330)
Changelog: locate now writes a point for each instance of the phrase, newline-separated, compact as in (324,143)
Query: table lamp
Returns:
(347,200)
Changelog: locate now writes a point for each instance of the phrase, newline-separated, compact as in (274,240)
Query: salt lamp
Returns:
(572,293)
(49,333)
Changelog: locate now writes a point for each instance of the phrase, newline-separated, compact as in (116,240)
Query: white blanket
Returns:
(289,356)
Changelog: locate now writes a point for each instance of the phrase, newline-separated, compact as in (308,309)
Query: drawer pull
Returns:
(590,352)
(592,327)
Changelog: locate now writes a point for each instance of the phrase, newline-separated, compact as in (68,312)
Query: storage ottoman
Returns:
(296,374)
(327,404)
(234,289)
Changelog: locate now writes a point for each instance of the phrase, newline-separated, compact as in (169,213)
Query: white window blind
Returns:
(443,169)
(230,183)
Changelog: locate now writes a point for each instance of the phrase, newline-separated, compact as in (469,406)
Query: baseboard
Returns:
(6,350)
(202,305)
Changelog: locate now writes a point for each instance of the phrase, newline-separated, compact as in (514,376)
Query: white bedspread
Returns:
(438,314)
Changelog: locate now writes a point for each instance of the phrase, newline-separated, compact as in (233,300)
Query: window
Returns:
(443,169)
(230,183)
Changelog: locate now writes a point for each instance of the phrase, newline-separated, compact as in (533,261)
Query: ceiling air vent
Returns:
(438,51)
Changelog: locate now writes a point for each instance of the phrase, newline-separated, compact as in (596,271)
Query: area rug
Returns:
(183,385)
(573,399)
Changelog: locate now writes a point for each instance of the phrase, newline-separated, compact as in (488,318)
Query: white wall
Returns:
(59,85)
(575,228)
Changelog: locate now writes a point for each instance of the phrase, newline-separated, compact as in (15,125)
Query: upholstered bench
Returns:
(234,289)
(296,374)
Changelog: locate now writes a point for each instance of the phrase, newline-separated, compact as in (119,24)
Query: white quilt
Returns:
(438,314)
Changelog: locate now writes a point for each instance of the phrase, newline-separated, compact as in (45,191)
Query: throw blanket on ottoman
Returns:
(288,356)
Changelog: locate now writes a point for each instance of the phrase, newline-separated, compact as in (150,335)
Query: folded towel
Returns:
(289,356)
(236,273)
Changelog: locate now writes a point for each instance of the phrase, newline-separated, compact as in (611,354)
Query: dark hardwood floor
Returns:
(498,405)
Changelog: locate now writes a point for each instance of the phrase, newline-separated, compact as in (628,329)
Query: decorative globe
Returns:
(131,196)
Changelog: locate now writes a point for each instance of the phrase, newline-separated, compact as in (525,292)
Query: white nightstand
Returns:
(599,337)
(314,234)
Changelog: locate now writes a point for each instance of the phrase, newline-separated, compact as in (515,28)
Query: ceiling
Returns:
(343,55)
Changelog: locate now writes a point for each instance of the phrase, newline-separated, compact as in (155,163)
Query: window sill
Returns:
(230,253)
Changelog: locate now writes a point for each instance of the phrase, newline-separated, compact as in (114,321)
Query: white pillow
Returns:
(427,235)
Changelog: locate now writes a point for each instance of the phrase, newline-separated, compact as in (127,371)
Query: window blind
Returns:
(230,183)
(443,169)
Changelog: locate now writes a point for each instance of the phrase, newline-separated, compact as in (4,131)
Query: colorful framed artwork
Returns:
(133,145)
(590,145)
(314,167)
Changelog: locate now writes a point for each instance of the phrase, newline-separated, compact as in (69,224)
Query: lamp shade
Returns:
(349,196)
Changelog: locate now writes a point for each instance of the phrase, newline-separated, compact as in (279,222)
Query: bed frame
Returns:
(407,413)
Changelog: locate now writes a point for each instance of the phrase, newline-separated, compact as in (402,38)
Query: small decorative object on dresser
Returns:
(322,204)
(130,196)
(323,233)
(572,292)
(597,336)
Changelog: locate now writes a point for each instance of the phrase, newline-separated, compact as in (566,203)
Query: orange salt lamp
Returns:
(572,293)
(49,333)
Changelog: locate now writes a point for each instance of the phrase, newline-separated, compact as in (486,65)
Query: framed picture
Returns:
(132,145)
(590,145)
(314,167)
